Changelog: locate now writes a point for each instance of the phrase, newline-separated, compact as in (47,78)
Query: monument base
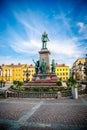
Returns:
(43,80)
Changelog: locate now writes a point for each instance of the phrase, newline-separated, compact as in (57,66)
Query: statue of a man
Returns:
(45,39)
(53,67)
(43,66)
(36,66)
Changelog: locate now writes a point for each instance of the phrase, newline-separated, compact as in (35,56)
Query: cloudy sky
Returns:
(22,23)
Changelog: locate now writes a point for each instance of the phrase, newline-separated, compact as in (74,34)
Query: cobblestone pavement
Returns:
(43,114)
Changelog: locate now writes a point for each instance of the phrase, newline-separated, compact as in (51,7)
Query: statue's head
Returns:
(44,34)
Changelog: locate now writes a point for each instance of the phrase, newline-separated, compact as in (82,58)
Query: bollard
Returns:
(75,92)
(58,94)
(72,91)
(6,94)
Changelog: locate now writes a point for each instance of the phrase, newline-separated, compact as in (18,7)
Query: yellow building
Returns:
(78,73)
(28,72)
(23,72)
(20,72)
(62,71)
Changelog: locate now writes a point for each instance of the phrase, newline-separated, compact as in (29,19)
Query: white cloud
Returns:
(64,47)
(15,60)
(80,24)
(65,50)
(82,29)
(27,47)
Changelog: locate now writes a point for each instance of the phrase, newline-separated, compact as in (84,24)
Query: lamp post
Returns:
(0,70)
(80,68)
(85,69)
(1,76)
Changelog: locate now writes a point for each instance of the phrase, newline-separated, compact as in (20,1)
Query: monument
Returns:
(44,72)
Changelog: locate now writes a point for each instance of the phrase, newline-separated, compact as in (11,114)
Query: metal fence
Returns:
(37,95)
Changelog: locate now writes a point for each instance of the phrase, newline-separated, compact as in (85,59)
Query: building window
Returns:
(60,73)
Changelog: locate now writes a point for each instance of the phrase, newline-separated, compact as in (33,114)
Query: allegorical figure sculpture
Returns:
(36,66)
(43,66)
(53,67)
(45,39)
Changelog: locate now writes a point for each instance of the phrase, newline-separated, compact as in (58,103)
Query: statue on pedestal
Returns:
(45,39)
(53,67)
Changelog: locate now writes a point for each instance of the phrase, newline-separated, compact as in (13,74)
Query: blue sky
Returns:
(22,23)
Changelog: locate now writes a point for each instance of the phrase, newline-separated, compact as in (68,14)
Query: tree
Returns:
(71,82)
(59,82)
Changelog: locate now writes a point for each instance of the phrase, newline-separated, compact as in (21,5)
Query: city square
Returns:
(43,65)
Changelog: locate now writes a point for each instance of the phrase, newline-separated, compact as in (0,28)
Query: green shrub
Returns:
(71,82)
(59,83)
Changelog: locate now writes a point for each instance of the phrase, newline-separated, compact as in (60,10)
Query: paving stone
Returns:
(37,128)
(60,114)
(43,114)
(13,111)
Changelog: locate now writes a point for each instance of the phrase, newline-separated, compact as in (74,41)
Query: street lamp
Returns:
(0,70)
(80,67)
(85,68)
(1,76)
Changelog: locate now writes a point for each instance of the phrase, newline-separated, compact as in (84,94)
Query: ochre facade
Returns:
(19,72)
(16,72)
(62,71)
(78,73)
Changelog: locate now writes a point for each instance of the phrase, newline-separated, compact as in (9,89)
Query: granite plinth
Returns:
(43,80)
(44,54)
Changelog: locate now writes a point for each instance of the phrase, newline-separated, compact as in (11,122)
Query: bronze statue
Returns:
(45,39)
(36,66)
(53,67)
(43,66)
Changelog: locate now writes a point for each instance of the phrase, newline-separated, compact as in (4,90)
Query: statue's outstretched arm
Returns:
(33,61)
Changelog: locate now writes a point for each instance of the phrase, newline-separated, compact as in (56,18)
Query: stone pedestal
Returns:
(43,80)
(44,54)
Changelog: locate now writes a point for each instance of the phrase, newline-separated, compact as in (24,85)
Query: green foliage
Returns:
(2,83)
(36,89)
(17,83)
(26,81)
(20,83)
(59,82)
(71,82)
(60,79)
